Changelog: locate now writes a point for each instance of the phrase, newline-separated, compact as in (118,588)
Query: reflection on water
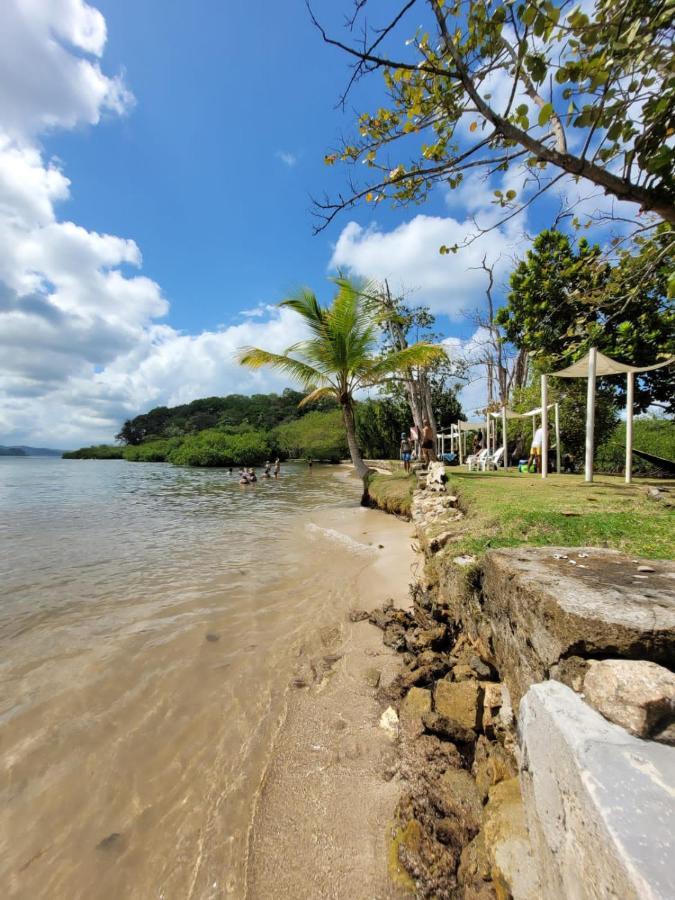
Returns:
(147,621)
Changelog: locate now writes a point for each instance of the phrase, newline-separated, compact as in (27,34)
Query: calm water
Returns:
(149,620)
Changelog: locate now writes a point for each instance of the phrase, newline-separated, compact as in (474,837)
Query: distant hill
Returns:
(23,450)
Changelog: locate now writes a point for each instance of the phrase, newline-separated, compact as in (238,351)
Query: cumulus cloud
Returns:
(82,345)
(408,256)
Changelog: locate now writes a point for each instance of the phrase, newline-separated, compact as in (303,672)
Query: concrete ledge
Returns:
(541,605)
(599,803)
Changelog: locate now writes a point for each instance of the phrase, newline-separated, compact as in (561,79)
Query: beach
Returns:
(154,625)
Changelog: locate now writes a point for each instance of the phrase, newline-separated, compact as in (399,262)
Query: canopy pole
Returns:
(505,441)
(590,414)
(544,427)
(630,389)
(459,444)
(557,437)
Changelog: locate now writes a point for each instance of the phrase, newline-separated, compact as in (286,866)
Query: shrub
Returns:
(650,433)
(212,447)
(151,451)
(98,451)
(320,435)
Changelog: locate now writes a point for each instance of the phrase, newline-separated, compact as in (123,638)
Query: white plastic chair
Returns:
(475,461)
(492,461)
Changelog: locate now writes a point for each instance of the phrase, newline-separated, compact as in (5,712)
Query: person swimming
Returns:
(268,466)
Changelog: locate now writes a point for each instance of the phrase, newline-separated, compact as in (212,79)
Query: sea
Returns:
(150,620)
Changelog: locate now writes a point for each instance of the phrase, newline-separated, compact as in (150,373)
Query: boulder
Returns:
(535,609)
(492,764)
(436,477)
(598,801)
(508,844)
(455,796)
(636,694)
(413,706)
(460,701)
(492,704)
(449,729)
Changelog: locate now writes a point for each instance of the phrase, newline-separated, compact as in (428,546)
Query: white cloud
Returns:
(81,347)
(409,257)
(49,70)
(288,159)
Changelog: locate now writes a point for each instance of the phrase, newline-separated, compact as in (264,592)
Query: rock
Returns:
(372,677)
(394,637)
(570,671)
(612,792)
(431,756)
(389,722)
(447,728)
(492,704)
(440,540)
(492,763)
(455,796)
(508,844)
(415,703)
(474,863)
(638,695)
(429,638)
(646,569)
(460,701)
(536,610)
(358,615)
(212,638)
(481,669)
(436,477)
(462,671)
(464,560)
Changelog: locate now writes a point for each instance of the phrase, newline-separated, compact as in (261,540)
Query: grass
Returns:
(505,509)
(392,493)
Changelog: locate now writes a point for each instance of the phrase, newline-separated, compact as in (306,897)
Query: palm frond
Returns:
(318,394)
(306,375)
(421,354)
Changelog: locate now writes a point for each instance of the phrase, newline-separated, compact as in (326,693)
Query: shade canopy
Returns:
(512,414)
(605,365)
(470,426)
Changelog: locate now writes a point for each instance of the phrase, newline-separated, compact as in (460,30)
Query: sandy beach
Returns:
(327,796)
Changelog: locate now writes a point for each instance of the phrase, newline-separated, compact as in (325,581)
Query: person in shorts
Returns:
(535,450)
(405,450)
(427,443)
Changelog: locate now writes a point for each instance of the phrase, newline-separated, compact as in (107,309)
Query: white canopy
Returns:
(605,366)
(512,414)
(470,426)
(591,366)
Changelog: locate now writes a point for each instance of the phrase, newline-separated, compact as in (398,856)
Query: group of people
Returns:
(407,450)
(248,476)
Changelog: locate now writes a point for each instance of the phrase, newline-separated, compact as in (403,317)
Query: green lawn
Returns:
(506,509)
(392,493)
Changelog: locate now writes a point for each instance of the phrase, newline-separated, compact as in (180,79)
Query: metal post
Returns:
(459,443)
(557,438)
(544,427)
(590,414)
(505,441)
(630,388)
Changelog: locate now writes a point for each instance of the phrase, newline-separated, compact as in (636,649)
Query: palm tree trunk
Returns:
(350,427)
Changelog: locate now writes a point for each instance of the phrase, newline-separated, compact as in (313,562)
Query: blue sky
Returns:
(157,161)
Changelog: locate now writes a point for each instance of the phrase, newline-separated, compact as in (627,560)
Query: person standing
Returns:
(535,450)
(427,443)
(277,467)
(405,451)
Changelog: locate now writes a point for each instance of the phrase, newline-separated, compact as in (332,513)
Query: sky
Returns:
(157,164)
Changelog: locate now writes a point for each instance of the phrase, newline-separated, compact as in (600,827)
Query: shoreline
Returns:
(327,794)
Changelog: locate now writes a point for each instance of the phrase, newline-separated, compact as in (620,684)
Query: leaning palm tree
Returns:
(340,356)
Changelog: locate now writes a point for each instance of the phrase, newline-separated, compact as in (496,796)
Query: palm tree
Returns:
(340,356)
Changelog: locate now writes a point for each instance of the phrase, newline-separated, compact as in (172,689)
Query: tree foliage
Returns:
(319,435)
(341,355)
(492,85)
(565,299)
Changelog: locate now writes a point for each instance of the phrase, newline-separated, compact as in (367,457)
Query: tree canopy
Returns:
(491,85)
(566,298)
(341,354)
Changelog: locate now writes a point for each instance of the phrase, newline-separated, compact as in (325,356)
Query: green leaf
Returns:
(545,113)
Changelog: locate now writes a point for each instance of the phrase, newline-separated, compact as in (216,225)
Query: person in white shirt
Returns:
(535,449)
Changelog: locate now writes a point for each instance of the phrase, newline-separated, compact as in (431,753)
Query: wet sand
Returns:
(327,798)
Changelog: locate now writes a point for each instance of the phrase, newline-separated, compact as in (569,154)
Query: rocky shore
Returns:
(499,656)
